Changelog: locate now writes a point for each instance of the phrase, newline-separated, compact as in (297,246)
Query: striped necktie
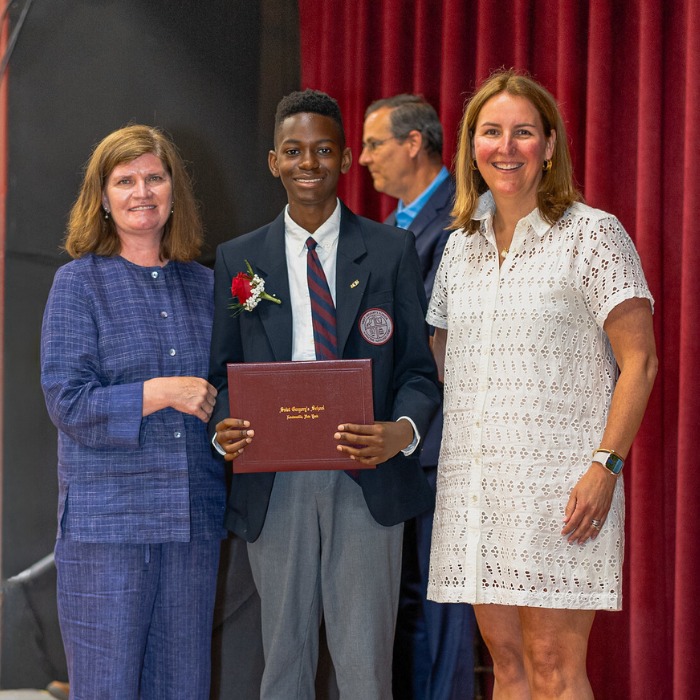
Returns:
(322,315)
(322,307)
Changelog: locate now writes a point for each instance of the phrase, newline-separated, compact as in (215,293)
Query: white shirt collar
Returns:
(486,208)
(326,235)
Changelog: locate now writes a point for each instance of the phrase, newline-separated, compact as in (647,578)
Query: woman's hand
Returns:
(589,501)
(375,443)
(192,395)
(233,435)
(631,334)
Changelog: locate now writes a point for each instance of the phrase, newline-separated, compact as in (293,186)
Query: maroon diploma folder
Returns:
(295,409)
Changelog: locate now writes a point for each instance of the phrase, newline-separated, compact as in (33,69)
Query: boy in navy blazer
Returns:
(321,543)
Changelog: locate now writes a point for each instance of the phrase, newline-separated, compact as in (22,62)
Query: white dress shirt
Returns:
(295,237)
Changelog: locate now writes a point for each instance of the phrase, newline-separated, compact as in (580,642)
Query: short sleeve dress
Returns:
(529,374)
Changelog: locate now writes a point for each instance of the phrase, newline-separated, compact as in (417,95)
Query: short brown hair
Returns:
(89,231)
(556,191)
(412,113)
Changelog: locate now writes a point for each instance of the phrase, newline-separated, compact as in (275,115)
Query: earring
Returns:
(547,165)
(473,165)
(106,214)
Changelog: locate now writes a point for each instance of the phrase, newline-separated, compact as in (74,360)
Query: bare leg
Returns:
(555,644)
(500,630)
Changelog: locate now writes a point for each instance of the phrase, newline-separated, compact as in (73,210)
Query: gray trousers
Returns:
(321,553)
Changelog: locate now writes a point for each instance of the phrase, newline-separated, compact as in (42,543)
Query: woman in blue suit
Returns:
(125,343)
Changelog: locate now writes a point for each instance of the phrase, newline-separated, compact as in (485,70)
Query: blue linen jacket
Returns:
(108,326)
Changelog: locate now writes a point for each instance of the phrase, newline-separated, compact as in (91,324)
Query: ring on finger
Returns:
(597,524)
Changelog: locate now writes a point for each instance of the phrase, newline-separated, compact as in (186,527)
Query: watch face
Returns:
(610,461)
(614,464)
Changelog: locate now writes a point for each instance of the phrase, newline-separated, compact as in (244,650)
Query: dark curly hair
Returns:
(313,101)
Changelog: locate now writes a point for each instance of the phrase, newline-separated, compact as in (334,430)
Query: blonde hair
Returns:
(556,191)
(89,232)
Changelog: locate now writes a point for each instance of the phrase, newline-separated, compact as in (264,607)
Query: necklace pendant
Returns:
(504,252)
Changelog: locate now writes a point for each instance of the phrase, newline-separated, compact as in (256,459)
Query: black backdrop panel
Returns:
(210,73)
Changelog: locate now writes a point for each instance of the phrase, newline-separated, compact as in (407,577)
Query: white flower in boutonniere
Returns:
(249,289)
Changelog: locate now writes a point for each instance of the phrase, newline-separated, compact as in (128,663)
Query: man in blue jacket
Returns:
(402,149)
(327,543)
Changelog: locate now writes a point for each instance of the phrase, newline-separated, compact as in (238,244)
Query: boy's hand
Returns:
(375,443)
(233,434)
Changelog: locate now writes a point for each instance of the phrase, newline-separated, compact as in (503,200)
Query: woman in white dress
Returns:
(544,337)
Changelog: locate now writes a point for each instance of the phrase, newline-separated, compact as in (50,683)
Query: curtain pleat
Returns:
(686,629)
(649,629)
(625,73)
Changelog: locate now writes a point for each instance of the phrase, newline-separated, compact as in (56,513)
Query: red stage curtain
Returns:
(626,75)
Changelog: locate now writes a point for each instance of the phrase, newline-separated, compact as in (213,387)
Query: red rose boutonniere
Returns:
(248,288)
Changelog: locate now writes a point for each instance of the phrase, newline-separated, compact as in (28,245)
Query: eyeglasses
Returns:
(373,144)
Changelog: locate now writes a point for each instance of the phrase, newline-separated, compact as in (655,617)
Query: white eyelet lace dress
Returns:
(529,374)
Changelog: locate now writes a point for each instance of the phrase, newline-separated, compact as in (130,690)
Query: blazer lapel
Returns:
(425,216)
(351,276)
(272,267)
(432,209)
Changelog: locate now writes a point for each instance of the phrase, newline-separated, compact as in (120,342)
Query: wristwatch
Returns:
(609,459)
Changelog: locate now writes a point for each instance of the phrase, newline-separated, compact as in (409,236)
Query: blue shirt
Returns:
(108,326)
(406,214)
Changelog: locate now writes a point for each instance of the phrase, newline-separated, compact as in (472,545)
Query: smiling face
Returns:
(309,156)
(510,146)
(138,196)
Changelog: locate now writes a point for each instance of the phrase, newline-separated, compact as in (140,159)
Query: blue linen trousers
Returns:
(136,619)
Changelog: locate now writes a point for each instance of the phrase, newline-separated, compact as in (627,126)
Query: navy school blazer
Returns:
(377,267)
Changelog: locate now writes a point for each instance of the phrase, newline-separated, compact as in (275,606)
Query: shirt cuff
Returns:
(408,451)
(221,450)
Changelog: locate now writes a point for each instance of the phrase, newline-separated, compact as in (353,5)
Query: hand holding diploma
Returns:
(375,443)
(233,434)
